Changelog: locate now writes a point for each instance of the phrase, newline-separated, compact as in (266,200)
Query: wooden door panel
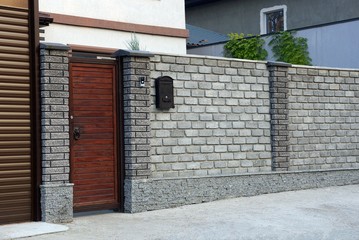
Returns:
(91,183)
(94,164)
(96,153)
(91,80)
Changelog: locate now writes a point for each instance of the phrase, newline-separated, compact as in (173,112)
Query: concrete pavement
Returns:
(12,231)
(318,214)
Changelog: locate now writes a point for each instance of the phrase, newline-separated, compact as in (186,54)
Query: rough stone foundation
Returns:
(153,194)
(57,203)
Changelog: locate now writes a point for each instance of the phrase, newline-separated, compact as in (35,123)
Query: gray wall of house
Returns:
(329,46)
(244,15)
(215,50)
(334,45)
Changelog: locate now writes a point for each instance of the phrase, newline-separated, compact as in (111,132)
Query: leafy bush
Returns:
(245,47)
(288,48)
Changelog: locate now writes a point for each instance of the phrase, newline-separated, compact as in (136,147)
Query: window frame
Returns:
(263,17)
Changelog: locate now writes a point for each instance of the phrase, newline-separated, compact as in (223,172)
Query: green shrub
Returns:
(290,49)
(134,43)
(245,47)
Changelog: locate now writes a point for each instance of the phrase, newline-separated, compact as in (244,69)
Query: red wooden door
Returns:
(94,165)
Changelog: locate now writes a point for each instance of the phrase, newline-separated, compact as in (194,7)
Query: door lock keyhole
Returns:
(77,133)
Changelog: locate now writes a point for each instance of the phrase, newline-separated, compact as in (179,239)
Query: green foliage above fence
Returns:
(245,47)
(285,46)
(288,48)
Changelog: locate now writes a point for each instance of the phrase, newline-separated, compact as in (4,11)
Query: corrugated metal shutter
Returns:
(15,154)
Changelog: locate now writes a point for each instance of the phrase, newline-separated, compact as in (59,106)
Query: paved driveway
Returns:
(328,213)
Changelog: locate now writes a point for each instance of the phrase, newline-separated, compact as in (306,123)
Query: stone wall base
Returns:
(57,203)
(152,194)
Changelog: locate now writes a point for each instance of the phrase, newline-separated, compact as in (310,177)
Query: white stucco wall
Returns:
(165,13)
(112,39)
(162,13)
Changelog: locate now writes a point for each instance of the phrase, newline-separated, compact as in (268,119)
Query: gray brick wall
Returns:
(323,118)
(278,81)
(235,116)
(220,124)
(55,114)
(56,191)
(136,102)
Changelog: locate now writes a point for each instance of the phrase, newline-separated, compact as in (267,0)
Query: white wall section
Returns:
(158,13)
(165,13)
(112,39)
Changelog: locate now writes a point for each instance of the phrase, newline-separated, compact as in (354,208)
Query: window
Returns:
(273,19)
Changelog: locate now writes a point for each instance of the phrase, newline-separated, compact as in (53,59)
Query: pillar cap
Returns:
(132,53)
(278,64)
(54,46)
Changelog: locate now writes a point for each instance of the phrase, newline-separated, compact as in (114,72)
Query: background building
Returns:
(331,27)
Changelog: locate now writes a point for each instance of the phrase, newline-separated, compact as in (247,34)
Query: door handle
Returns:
(77,133)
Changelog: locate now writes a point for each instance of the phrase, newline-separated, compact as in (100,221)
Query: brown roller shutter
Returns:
(15,134)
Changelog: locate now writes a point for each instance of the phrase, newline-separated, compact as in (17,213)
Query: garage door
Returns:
(94,164)
(15,135)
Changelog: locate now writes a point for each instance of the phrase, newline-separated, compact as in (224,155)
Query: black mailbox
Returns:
(164,93)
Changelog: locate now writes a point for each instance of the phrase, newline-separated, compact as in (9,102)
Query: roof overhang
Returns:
(45,19)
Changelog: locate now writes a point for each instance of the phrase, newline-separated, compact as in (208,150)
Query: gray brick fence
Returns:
(136,103)
(323,115)
(220,124)
(239,128)
(56,189)
(278,79)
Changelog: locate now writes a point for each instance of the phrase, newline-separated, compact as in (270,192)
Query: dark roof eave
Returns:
(45,19)
(194,45)
(193,3)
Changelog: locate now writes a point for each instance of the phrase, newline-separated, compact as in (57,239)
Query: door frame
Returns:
(119,125)
(35,109)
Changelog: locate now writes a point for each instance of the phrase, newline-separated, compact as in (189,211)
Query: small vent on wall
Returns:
(42,31)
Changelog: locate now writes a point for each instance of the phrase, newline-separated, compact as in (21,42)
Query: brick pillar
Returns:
(136,111)
(56,191)
(278,84)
